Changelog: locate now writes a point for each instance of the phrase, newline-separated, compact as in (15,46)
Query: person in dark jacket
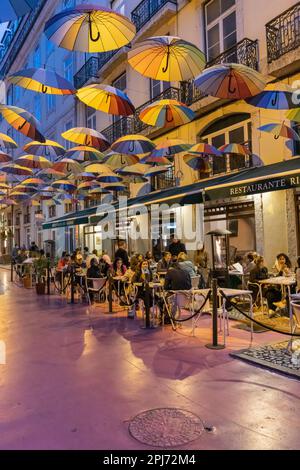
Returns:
(94,269)
(122,253)
(176,247)
(165,263)
(177,279)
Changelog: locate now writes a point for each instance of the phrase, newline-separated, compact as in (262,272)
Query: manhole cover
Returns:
(166,427)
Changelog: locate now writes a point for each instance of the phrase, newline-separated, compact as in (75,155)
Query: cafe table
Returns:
(285,282)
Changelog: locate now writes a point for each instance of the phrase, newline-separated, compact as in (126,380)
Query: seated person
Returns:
(119,268)
(249,263)
(186,265)
(90,256)
(105,265)
(165,263)
(142,275)
(94,269)
(271,293)
(235,280)
(177,279)
(282,266)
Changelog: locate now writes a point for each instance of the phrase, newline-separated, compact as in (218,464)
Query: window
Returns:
(119,6)
(221,34)
(232,129)
(68,68)
(37,57)
(120,82)
(68,207)
(52,211)
(51,103)
(91,118)
(37,107)
(157,87)
(10,95)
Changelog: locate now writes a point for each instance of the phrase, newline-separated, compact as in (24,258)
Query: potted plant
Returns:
(40,267)
(27,278)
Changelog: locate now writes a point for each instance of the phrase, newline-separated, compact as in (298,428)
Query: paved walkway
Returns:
(74,377)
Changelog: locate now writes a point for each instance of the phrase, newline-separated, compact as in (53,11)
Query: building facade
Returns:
(263,35)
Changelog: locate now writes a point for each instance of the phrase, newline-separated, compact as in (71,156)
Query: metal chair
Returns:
(97,288)
(259,301)
(195,282)
(182,305)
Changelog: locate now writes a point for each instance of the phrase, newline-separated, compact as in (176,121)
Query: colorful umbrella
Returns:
(90,28)
(107,99)
(82,153)
(166,113)
(133,145)
(33,161)
(96,168)
(4,186)
(115,187)
(50,172)
(117,160)
(66,165)
(42,81)
(169,148)
(15,169)
(109,177)
(85,175)
(7,142)
(138,169)
(235,149)
(8,202)
(86,136)
(4,157)
(100,190)
(86,185)
(275,96)
(13,9)
(22,121)
(156,170)
(50,148)
(205,149)
(294,115)
(32,182)
(65,185)
(166,58)
(230,81)
(152,160)
(197,162)
(280,130)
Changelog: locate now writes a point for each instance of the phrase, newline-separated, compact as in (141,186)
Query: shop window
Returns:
(220,22)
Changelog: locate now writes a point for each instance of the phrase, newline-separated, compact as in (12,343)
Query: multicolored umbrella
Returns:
(13,9)
(32,182)
(280,130)
(169,148)
(66,165)
(117,160)
(42,81)
(230,81)
(7,142)
(109,177)
(166,58)
(15,169)
(197,162)
(87,185)
(82,153)
(205,149)
(235,149)
(22,121)
(33,161)
(65,185)
(8,202)
(50,148)
(275,96)
(90,28)
(114,187)
(4,157)
(294,115)
(166,113)
(4,186)
(86,176)
(52,173)
(100,190)
(87,136)
(152,160)
(107,99)
(133,145)
(96,168)
(156,170)
(138,169)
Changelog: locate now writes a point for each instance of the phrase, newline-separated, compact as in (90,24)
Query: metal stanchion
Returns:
(12,272)
(110,300)
(48,277)
(147,305)
(215,345)
(72,285)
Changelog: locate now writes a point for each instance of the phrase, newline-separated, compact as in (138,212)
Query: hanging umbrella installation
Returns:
(235,149)
(118,160)
(33,161)
(7,142)
(230,81)
(87,136)
(22,121)
(107,99)
(276,96)
(167,58)
(197,162)
(42,80)
(90,28)
(294,115)
(166,113)
(14,169)
(133,145)
(64,185)
(83,153)
(49,148)
(14,9)
(5,158)
(170,147)
(66,165)
(280,130)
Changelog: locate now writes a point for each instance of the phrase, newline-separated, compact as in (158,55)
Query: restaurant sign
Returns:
(254,187)
(66,223)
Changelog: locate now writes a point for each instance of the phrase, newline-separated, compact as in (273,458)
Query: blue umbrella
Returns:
(13,9)
(275,96)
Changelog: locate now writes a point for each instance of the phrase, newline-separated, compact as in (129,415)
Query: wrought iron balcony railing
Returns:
(89,70)
(243,52)
(26,219)
(146,10)
(283,33)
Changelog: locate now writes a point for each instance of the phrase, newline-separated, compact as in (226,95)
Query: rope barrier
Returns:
(195,313)
(255,321)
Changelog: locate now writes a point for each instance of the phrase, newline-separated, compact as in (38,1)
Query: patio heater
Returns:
(220,256)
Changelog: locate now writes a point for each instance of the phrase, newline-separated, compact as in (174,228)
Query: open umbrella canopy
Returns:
(205,149)
(66,165)
(96,168)
(109,177)
(166,58)
(8,202)
(51,173)
(88,137)
(166,113)
(85,176)
(235,149)
(156,170)
(90,28)
(42,81)
(114,187)
(7,142)
(50,148)
(275,96)
(22,121)
(280,130)
(24,189)
(138,169)
(83,153)
(86,185)
(32,182)
(13,9)
(65,185)
(33,161)
(117,160)
(107,99)
(230,81)
(197,162)
(133,145)
(169,148)
(4,185)
(14,169)
(294,115)
(100,190)
(4,157)
(152,160)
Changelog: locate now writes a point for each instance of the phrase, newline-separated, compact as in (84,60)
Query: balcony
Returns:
(147,9)
(88,71)
(26,219)
(244,52)
(165,180)
(283,33)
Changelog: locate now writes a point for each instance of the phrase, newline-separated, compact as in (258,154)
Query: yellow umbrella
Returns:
(22,121)
(7,142)
(167,58)
(166,113)
(90,28)
(107,99)
(87,136)
(67,165)
(50,148)
(34,162)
